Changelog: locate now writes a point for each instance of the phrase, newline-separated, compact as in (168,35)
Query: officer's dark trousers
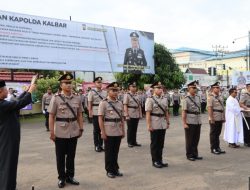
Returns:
(65,149)
(203,107)
(176,106)
(132,130)
(157,144)
(112,146)
(246,131)
(47,119)
(97,132)
(215,131)
(192,135)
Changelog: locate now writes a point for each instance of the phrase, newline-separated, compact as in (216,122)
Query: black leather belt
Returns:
(46,104)
(135,107)
(215,110)
(116,120)
(195,113)
(66,119)
(157,114)
(95,104)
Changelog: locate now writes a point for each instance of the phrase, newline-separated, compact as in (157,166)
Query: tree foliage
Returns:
(166,71)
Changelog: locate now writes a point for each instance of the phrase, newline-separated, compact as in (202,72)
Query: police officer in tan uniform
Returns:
(45,104)
(66,126)
(132,112)
(245,104)
(95,96)
(192,121)
(111,123)
(216,113)
(157,118)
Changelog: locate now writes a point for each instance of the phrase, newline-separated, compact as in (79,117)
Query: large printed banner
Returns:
(240,78)
(33,42)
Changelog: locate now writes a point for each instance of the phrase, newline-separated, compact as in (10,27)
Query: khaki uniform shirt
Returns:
(59,108)
(216,103)
(105,109)
(204,97)
(46,101)
(245,99)
(176,98)
(152,107)
(95,99)
(133,105)
(189,106)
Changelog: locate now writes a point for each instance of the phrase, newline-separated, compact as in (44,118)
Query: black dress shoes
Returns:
(157,165)
(111,175)
(221,151)
(198,158)
(215,151)
(191,158)
(72,181)
(164,164)
(130,145)
(61,183)
(98,149)
(136,144)
(118,174)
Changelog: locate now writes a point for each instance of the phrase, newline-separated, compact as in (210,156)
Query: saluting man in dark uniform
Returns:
(132,111)
(45,104)
(95,96)
(216,117)
(66,126)
(111,123)
(157,118)
(245,104)
(134,60)
(192,121)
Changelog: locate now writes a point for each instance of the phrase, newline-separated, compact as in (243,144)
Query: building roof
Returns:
(17,76)
(196,71)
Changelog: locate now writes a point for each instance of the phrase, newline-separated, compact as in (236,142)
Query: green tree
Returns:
(166,70)
(43,84)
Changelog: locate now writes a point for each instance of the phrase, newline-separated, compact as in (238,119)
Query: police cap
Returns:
(134,35)
(156,85)
(66,77)
(217,84)
(113,85)
(99,79)
(193,84)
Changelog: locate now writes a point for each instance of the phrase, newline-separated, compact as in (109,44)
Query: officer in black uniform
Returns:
(134,60)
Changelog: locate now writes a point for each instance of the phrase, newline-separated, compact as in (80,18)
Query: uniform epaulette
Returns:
(57,94)
(105,99)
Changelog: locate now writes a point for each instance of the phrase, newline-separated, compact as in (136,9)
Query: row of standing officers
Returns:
(109,117)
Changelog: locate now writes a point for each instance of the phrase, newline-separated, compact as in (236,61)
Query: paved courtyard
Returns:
(37,165)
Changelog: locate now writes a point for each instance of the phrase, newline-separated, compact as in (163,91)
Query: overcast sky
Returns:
(175,23)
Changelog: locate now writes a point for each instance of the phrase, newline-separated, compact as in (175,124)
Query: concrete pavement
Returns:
(37,164)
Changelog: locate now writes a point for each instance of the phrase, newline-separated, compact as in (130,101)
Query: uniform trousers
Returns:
(46,119)
(203,107)
(112,146)
(157,144)
(215,131)
(246,132)
(132,124)
(176,106)
(97,132)
(65,149)
(192,135)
